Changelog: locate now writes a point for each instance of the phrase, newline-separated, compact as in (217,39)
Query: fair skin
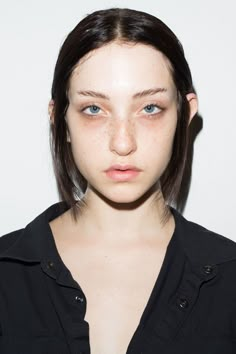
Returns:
(120,233)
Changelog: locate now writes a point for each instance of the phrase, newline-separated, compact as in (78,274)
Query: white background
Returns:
(31,33)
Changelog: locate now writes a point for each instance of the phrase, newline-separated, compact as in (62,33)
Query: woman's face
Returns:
(122,110)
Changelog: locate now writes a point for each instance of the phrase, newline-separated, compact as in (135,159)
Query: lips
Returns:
(122,168)
(122,173)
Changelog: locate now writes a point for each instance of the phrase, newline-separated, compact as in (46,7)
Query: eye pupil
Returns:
(150,108)
(94,109)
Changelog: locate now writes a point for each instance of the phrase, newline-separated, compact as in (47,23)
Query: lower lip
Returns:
(118,175)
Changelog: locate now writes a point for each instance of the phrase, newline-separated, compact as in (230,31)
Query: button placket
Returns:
(66,302)
(49,267)
(206,271)
(184,300)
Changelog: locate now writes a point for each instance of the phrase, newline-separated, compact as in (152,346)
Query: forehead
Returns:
(122,66)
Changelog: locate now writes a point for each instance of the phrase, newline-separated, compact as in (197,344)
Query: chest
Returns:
(117,292)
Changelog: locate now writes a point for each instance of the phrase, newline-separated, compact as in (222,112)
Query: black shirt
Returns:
(191,308)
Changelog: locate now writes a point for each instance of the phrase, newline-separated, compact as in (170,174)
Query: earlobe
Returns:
(193,105)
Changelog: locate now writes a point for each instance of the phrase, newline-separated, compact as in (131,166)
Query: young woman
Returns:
(114,268)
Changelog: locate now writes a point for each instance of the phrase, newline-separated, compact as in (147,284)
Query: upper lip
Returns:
(123,167)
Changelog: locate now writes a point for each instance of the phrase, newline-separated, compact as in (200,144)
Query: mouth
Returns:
(122,173)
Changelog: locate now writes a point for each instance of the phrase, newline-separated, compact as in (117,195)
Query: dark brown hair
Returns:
(94,31)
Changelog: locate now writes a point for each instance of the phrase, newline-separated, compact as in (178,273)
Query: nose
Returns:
(122,137)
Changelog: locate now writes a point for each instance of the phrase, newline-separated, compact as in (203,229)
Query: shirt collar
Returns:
(201,246)
(35,242)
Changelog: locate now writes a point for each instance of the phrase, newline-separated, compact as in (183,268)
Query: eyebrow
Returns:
(140,94)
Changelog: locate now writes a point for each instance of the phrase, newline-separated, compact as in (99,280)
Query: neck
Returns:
(145,219)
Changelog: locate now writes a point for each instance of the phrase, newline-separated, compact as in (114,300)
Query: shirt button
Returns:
(208,269)
(50,264)
(79,299)
(183,303)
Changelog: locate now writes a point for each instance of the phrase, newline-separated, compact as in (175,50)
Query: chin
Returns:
(125,196)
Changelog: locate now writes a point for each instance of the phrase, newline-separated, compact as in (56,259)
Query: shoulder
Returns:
(7,240)
(210,259)
(202,245)
(29,244)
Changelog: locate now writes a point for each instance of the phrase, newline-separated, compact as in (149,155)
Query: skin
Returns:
(124,130)
(120,233)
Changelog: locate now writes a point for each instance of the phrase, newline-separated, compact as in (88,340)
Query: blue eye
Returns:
(92,109)
(152,108)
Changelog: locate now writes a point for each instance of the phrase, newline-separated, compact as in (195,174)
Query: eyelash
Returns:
(148,105)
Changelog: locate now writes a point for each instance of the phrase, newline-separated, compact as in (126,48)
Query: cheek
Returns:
(159,137)
(158,150)
(87,146)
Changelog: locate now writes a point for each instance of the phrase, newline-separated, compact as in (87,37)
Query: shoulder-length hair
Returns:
(94,31)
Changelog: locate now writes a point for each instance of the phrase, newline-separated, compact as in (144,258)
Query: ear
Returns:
(51,115)
(193,105)
(51,111)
